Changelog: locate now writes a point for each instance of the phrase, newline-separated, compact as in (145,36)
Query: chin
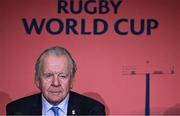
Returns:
(55,100)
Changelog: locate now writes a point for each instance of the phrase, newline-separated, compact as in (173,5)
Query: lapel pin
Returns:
(73,112)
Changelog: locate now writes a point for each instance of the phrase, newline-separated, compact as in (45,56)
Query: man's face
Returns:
(55,82)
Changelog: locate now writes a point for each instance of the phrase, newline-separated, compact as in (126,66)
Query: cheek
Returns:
(45,85)
(66,85)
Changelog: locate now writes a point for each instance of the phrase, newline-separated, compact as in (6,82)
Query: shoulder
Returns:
(25,100)
(86,104)
(24,103)
(84,99)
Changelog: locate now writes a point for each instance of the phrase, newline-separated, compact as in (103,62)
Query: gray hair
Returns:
(57,51)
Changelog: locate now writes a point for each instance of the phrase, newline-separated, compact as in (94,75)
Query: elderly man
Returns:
(54,76)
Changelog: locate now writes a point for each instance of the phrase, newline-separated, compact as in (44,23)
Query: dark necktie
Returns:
(55,110)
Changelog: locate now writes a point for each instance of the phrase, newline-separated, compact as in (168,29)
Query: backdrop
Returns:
(107,63)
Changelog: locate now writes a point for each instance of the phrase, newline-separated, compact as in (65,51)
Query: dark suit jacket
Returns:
(32,105)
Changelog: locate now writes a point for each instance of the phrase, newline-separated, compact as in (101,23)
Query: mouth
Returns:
(55,92)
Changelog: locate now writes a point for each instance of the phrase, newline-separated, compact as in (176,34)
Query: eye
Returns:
(48,75)
(62,76)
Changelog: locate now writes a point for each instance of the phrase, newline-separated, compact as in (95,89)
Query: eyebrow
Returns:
(55,73)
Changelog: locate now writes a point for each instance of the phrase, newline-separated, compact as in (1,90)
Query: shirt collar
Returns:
(62,105)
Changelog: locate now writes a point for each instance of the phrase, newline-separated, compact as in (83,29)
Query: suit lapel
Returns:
(73,108)
(37,105)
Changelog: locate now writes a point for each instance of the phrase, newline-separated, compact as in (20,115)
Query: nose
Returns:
(55,81)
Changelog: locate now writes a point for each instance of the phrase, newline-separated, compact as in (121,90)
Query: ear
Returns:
(72,82)
(37,82)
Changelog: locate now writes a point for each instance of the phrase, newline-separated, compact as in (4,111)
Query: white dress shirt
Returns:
(46,107)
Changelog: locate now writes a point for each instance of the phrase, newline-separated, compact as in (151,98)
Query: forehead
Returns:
(55,62)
